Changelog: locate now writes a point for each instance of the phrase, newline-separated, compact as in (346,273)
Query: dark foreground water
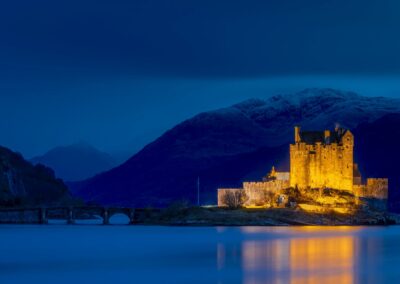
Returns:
(139,254)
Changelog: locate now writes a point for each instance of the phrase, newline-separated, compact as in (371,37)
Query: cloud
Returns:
(201,38)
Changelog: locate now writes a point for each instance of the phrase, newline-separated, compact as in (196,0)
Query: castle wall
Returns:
(357,181)
(377,184)
(256,191)
(374,193)
(299,161)
(375,188)
(285,176)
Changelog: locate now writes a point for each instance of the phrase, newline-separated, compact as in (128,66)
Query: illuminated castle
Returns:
(318,160)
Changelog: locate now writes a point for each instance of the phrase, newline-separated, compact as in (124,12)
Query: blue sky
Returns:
(118,73)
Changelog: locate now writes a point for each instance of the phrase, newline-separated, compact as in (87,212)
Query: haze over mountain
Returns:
(227,146)
(76,162)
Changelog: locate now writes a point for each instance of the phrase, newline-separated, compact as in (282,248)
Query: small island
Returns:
(324,186)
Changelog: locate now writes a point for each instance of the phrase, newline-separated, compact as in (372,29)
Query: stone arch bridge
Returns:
(70,214)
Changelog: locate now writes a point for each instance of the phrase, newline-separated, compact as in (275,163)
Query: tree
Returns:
(234,199)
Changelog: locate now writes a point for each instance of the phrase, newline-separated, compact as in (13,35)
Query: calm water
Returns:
(139,254)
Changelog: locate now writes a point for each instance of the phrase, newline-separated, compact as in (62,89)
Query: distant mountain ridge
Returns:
(76,162)
(227,146)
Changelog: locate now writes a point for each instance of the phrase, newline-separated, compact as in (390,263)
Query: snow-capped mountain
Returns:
(314,109)
(226,146)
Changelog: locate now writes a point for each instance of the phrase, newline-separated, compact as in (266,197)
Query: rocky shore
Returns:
(200,216)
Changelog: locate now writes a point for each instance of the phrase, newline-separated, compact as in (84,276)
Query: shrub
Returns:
(235,199)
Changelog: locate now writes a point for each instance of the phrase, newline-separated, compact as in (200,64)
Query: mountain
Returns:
(76,162)
(226,146)
(21,183)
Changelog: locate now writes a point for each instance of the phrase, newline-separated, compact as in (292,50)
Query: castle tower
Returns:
(321,159)
(297,134)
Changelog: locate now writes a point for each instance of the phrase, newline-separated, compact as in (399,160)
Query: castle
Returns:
(318,160)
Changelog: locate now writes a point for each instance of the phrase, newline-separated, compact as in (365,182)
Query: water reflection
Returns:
(301,255)
(196,255)
(322,260)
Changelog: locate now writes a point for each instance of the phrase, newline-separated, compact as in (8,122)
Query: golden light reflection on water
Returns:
(303,255)
(301,229)
(322,260)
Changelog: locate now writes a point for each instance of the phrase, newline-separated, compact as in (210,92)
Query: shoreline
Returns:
(216,216)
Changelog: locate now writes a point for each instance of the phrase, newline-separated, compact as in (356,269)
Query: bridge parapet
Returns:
(70,214)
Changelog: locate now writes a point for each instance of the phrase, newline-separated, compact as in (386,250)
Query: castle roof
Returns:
(312,137)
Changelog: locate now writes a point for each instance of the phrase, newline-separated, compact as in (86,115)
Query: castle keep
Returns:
(318,160)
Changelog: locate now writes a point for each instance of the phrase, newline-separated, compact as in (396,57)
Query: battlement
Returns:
(382,181)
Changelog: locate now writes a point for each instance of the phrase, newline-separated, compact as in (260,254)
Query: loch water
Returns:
(87,253)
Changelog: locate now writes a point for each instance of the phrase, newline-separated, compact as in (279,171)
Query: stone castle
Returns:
(318,160)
